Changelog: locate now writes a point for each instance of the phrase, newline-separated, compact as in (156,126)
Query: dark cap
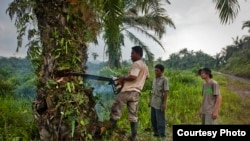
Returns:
(207,71)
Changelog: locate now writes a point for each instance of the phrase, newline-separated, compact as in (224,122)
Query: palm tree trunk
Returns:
(63,110)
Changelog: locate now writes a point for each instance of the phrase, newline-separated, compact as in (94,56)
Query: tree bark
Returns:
(64,110)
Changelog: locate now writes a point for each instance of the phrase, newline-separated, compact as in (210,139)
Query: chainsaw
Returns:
(111,81)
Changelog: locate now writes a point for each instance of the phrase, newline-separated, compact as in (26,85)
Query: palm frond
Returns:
(156,19)
(149,35)
(21,10)
(246,24)
(137,41)
(228,10)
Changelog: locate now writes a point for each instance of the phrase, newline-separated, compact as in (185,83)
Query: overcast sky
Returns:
(197,28)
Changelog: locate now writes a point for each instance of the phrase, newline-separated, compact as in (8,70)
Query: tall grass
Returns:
(16,120)
(183,104)
(231,103)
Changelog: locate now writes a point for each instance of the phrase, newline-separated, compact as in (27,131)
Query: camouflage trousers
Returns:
(129,98)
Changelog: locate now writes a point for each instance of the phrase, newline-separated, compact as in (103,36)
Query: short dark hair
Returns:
(160,67)
(207,71)
(138,50)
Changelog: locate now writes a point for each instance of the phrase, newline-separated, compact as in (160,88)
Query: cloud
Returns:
(198,27)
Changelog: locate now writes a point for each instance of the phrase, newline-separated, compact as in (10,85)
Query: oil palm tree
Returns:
(144,18)
(112,37)
(63,107)
(246,38)
(153,18)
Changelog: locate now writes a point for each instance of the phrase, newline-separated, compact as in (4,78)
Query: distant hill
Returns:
(16,77)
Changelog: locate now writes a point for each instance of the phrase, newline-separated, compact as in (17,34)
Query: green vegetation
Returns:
(232,59)
(59,33)
(185,59)
(183,104)
(18,89)
(17,120)
(16,78)
(239,60)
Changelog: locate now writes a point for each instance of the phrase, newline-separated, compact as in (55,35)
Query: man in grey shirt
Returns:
(211,102)
(158,102)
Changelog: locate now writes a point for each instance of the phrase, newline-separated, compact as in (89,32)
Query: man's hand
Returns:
(59,80)
(149,104)
(163,107)
(214,115)
(120,80)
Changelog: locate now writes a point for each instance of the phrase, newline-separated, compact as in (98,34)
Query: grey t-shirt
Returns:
(209,91)
(158,88)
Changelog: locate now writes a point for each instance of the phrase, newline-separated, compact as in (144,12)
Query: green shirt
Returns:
(209,91)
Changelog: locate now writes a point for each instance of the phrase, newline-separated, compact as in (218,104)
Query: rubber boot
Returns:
(133,126)
(163,138)
(113,124)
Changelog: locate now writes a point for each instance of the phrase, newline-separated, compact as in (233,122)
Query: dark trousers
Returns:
(158,122)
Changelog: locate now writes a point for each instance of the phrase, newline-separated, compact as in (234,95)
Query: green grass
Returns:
(16,120)
(17,123)
(183,104)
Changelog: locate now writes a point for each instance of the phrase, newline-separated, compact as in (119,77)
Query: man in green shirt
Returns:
(158,102)
(211,102)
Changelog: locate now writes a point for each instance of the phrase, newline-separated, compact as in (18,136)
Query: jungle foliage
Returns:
(232,59)
(17,78)
(59,32)
(182,108)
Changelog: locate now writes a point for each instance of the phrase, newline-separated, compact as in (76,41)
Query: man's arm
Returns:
(129,78)
(150,98)
(164,104)
(217,106)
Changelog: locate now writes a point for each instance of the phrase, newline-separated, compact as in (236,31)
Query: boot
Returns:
(113,124)
(133,131)
(163,138)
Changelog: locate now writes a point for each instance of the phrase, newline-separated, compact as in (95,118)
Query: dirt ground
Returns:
(241,86)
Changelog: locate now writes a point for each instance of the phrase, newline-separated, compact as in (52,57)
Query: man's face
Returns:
(158,72)
(134,56)
(204,75)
